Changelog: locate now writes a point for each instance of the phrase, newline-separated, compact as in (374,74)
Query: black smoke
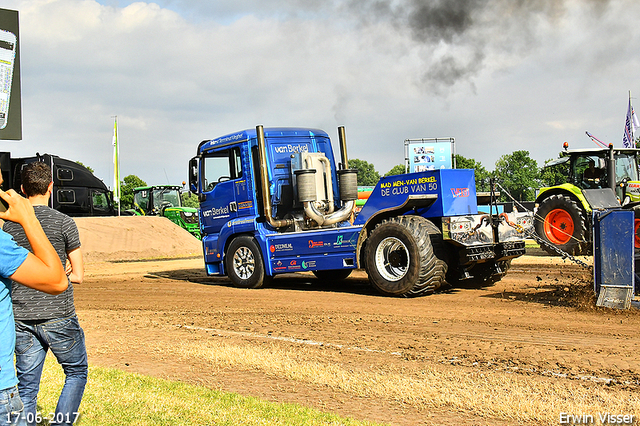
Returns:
(457,37)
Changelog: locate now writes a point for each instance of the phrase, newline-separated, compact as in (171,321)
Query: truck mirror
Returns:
(193,175)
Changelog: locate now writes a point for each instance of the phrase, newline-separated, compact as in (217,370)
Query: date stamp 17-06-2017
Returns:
(60,418)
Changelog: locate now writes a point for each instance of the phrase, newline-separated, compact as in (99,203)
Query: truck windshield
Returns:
(221,166)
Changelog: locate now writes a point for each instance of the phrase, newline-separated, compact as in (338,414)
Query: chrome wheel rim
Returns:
(392,259)
(244,263)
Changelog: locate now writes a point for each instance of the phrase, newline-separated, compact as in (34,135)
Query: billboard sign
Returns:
(425,154)
(10,98)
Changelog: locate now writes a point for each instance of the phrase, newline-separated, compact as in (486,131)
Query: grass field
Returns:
(496,395)
(114,397)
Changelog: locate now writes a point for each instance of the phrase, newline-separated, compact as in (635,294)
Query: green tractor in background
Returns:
(601,178)
(165,200)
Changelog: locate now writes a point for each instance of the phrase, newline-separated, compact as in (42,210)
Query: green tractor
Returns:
(599,178)
(164,200)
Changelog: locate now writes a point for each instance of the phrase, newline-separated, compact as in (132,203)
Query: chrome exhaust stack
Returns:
(342,138)
(348,189)
(264,180)
(330,219)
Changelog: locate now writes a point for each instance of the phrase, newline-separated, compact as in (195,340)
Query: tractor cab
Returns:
(164,200)
(589,172)
(152,200)
(592,169)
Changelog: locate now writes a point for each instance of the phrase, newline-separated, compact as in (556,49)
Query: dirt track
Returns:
(139,316)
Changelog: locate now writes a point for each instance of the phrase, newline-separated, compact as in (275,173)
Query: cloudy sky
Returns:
(497,75)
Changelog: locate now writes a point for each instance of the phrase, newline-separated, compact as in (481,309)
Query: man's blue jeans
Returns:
(65,338)
(11,412)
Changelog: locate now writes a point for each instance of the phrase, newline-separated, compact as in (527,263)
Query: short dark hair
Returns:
(36,178)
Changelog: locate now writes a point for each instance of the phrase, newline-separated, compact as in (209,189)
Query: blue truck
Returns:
(275,201)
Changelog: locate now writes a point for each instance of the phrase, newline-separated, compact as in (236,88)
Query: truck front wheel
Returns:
(399,256)
(560,222)
(244,263)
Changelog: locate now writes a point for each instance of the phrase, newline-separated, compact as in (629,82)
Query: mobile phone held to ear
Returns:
(3,205)
(8,42)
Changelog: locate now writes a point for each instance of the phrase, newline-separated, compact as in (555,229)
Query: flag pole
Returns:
(630,125)
(633,128)
(116,164)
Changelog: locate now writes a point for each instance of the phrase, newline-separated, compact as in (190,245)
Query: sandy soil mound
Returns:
(129,238)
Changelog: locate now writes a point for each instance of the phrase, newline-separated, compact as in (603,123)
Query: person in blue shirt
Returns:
(40,270)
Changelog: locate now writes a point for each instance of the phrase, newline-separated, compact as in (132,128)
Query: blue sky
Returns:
(496,75)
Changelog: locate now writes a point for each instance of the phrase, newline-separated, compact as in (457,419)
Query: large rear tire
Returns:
(399,257)
(244,263)
(442,260)
(561,222)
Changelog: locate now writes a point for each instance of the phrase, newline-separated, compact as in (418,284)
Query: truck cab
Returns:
(152,200)
(593,169)
(227,175)
(76,191)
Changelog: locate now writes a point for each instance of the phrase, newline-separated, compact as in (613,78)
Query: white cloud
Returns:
(499,76)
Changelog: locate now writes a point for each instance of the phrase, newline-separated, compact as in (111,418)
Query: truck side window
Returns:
(65,174)
(221,166)
(66,196)
(625,168)
(100,201)
(238,162)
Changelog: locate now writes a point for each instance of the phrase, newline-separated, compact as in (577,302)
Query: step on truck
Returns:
(275,201)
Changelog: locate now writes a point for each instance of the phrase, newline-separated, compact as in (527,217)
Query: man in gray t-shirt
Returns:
(30,304)
(44,321)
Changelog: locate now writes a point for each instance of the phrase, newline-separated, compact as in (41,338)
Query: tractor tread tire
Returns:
(440,252)
(576,245)
(423,274)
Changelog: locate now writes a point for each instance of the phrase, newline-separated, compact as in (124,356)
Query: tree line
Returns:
(517,173)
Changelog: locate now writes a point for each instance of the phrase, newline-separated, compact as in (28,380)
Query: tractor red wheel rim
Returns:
(636,231)
(559,227)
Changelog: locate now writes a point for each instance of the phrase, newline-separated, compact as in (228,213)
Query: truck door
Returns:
(221,173)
